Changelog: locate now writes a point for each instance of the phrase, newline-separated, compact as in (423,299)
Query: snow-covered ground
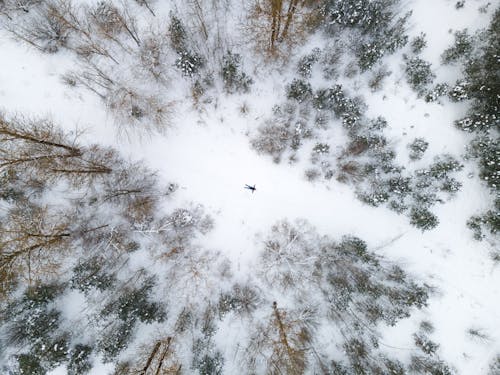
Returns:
(208,154)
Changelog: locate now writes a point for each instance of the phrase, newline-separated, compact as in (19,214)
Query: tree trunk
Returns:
(19,135)
(276,6)
(289,16)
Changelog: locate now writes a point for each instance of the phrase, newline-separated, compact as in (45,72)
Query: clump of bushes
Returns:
(189,63)
(418,43)
(418,74)
(461,49)
(234,80)
(417,148)
(376,26)
(307,62)
(423,219)
(299,90)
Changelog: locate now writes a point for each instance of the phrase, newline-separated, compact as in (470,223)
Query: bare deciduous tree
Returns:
(157,358)
(134,110)
(285,341)
(279,22)
(93,78)
(147,4)
(110,21)
(8,6)
(32,241)
(135,190)
(38,148)
(287,253)
(153,54)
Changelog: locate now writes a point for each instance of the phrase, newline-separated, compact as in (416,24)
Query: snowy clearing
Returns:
(134,272)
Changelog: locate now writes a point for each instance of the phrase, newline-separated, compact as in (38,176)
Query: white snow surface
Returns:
(209,155)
